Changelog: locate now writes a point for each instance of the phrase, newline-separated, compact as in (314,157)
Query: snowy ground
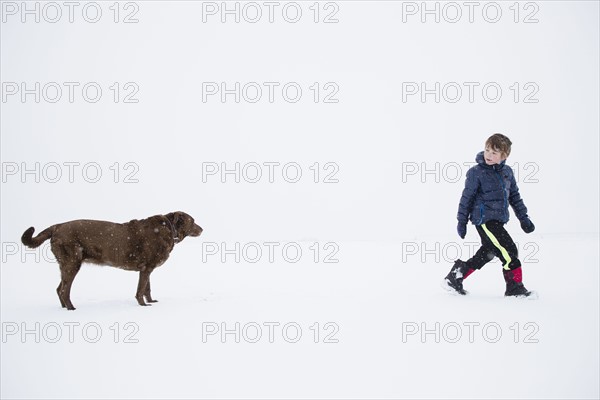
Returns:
(368,163)
(482,345)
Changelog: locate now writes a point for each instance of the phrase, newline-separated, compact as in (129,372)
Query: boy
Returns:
(489,189)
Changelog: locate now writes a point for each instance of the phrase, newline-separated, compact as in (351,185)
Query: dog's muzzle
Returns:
(196,231)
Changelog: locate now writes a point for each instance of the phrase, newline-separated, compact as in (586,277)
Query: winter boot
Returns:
(514,284)
(454,279)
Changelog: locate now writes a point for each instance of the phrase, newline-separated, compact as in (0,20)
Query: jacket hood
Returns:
(481,161)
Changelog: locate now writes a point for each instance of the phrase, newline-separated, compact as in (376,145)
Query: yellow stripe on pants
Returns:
(498,246)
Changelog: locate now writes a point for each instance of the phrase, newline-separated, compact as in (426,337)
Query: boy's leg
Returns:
(484,254)
(497,240)
(506,250)
(453,281)
(461,269)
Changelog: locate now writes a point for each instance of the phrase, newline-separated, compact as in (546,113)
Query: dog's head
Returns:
(183,224)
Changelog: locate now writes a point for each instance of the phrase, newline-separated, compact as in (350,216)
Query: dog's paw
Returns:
(140,300)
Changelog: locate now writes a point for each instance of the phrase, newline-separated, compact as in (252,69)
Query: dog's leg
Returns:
(141,289)
(147,294)
(69,260)
(59,292)
(68,273)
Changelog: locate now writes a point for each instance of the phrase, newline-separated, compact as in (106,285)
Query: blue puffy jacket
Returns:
(489,190)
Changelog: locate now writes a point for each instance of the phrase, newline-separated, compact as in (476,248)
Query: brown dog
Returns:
(135,246)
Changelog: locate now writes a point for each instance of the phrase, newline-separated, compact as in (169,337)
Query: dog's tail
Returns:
(33,242)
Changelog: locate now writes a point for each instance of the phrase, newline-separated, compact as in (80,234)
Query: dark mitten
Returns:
(527,225)
(462,230)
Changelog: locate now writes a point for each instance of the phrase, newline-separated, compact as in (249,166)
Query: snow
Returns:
(352,261)
(544,348)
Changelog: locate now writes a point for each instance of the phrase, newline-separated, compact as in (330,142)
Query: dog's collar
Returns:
(173,231)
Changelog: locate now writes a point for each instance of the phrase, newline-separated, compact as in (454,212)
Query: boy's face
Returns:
(493,156)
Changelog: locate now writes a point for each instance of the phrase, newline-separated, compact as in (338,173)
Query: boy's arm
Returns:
(468,197)
(518,207)
(516,202)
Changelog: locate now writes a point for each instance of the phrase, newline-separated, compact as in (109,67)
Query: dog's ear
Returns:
(175,218)
(179,220)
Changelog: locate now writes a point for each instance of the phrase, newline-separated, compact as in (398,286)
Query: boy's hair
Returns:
(500,143)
